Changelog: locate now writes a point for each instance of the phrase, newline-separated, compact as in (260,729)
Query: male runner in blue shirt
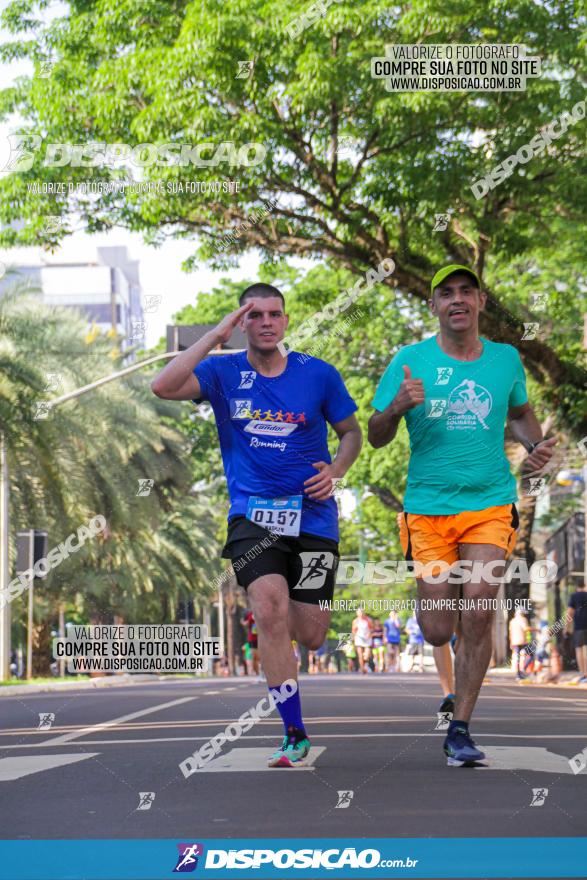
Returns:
(272,414)
(456,391)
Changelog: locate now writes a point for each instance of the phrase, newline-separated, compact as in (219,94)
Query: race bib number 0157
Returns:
(282,516)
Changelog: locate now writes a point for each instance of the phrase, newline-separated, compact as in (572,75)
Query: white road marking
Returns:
(130,727)
(25,765)
(534,758)
(244,760)
(95,728)
(214,722)
(578,737)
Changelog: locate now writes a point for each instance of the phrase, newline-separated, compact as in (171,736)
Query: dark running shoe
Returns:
(460,750)
(448,705)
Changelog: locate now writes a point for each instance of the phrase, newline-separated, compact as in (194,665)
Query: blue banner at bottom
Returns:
(271,858)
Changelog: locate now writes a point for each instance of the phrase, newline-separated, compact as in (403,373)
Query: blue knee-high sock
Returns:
(290,711)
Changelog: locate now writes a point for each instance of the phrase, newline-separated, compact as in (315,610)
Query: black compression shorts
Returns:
(307,562)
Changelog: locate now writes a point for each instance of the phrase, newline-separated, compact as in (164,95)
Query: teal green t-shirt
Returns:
(457,456)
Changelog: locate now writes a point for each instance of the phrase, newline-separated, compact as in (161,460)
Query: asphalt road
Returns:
(373,736)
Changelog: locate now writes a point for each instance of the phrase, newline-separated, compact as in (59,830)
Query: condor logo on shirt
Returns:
(280,429)
(278,423)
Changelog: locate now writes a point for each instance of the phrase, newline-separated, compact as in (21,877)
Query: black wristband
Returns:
(530,449)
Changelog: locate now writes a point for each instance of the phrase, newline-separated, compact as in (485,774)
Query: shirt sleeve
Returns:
(207,375)
(518,393)
(572,601)
(338,404)
(389,383)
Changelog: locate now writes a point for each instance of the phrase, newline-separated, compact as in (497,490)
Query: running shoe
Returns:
(294,748)
(448,705)
(460,749)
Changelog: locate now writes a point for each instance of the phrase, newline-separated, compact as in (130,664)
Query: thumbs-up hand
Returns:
(410,394)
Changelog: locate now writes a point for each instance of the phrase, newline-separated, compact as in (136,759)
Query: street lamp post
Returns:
(5,489)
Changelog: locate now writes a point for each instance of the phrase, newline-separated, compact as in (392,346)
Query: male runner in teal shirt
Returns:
(456,391)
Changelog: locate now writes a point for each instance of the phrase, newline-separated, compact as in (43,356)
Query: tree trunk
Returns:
(98,618)
(42,649)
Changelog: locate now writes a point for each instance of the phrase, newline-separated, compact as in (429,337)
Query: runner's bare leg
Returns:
(474,654)
(443,659)
(269,600)
(308,623)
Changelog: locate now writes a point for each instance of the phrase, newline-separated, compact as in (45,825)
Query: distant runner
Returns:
(361,629)
(249,621)
(415,646)
(377,645)
(393,631)
(577,615)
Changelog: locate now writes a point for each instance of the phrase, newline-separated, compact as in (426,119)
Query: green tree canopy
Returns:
(125,71)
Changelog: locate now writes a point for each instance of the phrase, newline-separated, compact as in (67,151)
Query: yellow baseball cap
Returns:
(452,270)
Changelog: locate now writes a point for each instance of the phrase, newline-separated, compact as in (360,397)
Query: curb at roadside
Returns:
(106,681)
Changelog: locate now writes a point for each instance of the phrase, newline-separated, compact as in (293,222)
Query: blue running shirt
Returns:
(457,459)
(271,429)
(415,636)
(392,631)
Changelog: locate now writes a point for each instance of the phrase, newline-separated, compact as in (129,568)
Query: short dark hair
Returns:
(261,290)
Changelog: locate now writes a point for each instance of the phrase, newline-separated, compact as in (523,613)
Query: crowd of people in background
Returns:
(534,649)
(374,645)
